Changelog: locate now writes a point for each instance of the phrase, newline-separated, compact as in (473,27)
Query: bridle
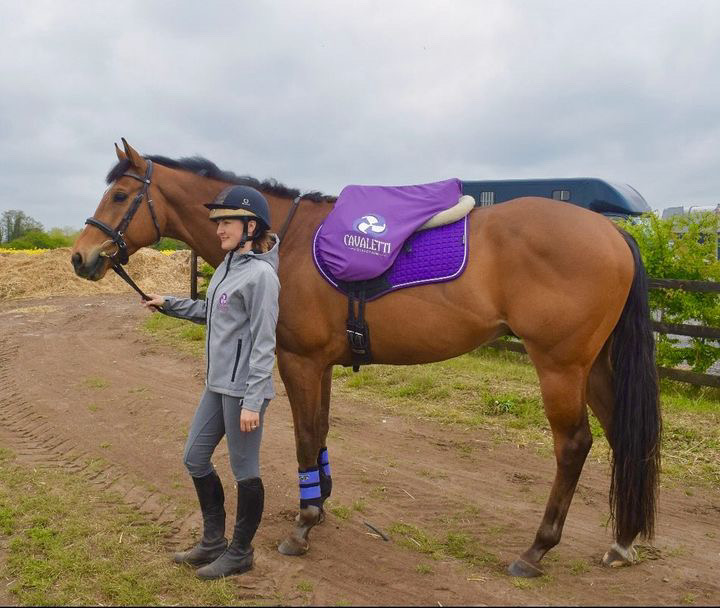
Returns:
(117,235)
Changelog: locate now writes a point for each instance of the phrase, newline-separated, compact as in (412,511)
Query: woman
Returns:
(241,313)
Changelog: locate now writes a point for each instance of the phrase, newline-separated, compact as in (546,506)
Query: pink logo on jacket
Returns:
(223,302)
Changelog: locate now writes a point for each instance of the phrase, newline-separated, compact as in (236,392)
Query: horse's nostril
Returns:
(76,260)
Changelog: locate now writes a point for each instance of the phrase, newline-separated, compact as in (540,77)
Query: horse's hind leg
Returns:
(563,392)
(600,389)
(601,400)
(303,378)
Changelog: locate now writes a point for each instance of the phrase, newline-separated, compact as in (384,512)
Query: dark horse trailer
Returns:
(615,200)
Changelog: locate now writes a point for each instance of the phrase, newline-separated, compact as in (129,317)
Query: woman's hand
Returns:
(154,301)
(249,420)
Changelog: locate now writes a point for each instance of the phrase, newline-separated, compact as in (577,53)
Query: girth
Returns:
(358,332)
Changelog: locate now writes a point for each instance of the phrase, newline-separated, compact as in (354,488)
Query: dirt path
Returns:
(82,388)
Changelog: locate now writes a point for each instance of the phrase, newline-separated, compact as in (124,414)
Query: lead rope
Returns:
(126,277)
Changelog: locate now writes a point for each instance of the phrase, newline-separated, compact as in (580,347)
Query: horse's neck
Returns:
(187,218)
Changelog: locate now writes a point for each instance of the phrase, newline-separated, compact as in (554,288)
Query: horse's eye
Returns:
(119,197)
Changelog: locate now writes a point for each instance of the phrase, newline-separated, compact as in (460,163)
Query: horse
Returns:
(566,281)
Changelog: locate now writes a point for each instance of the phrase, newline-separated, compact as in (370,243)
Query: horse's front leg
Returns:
(303,378)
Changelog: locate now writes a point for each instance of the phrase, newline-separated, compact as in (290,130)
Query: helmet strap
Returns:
(245,237)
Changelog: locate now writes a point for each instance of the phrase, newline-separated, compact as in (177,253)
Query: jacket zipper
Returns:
(237,360)
(209,321)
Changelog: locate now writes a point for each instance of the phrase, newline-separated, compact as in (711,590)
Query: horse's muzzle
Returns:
(92,268)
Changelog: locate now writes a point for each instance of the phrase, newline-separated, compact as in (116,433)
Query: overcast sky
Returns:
(320,94)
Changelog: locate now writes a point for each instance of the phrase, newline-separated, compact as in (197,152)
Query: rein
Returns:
(121,257)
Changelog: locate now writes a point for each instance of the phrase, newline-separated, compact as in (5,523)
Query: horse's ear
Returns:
(120,154)
(134,157)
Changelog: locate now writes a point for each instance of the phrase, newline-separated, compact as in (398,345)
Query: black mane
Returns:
(202,166)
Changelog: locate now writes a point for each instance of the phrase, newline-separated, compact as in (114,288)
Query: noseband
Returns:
(117,235)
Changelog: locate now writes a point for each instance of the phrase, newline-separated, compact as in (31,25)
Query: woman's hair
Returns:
(264,241)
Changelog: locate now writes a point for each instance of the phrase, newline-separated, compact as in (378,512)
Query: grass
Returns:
(579,566)
(96,382)
(474,390)
(359,505)
(187,336)
(531,583)
(68,543)
(343,511)
(458,545)
(498,391)
(340,511)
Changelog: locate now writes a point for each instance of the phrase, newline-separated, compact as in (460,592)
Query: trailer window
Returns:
(561,195)
(487,198)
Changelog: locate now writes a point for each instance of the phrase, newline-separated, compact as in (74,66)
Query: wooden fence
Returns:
(693,331)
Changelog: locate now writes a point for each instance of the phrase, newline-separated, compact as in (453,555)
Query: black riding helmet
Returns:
(241,202)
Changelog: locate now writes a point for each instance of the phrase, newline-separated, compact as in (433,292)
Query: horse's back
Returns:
(539,234)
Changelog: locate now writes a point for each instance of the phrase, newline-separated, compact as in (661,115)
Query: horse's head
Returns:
(122,223)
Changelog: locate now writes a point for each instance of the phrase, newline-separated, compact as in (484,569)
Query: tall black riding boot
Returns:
(238,557)
(212,503)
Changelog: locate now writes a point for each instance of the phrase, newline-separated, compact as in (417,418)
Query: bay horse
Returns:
(565,280)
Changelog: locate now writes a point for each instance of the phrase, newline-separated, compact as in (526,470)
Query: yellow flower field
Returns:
(36,251)
(30,251)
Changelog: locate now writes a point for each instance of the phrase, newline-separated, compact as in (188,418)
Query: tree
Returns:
(14,224)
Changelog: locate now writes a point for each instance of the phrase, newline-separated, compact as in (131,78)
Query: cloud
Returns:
(320,94)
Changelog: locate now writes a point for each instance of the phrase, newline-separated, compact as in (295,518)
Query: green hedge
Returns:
(682,247)
(38,239)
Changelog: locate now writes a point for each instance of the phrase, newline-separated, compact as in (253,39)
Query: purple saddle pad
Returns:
(429,256)
(365,232)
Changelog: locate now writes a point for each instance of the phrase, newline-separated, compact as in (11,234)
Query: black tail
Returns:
(636,423)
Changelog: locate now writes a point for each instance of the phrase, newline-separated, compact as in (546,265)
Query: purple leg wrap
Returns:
(323,461)
(309,482)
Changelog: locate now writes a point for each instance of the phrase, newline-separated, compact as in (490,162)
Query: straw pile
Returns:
(51,274)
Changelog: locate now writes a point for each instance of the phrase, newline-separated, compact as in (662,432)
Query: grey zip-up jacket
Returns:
(241,312)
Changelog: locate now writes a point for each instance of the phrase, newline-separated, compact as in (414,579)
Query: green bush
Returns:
(37,239)
(682,247)
(205,273)
(168,244)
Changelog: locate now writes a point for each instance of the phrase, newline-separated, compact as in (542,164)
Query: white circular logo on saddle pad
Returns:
(370,224)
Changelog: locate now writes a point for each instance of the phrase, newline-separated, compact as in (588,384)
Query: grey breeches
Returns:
(219,415)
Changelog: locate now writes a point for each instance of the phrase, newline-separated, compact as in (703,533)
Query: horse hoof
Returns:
(524,569)
(617,557)
(291,546)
